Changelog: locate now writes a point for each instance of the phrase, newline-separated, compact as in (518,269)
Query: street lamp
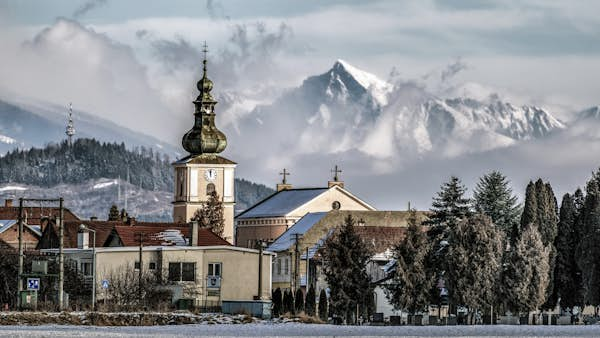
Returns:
(83,227)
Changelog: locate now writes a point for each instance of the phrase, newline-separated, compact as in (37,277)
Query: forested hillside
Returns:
(89,160)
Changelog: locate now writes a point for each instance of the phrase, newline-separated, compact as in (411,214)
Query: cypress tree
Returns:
(529,215)
(494,198)
(474,262)
(567,280)
(299,301)
(310,301)
(288,302)
(113,214)
(410,286)
(588,249)
(323,315)
(527,272)
(277,303)
(346,257)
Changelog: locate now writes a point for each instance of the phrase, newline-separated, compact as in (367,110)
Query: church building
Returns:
(270,218)
(203,171)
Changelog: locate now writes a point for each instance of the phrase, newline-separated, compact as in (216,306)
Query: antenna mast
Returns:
(70,131)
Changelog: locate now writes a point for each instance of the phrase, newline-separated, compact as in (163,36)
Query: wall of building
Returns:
(246,235)
(11,237)
(239,278)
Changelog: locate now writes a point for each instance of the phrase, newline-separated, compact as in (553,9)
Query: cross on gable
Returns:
(335,172)
(285,174)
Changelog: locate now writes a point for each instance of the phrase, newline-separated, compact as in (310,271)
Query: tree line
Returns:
(486,253)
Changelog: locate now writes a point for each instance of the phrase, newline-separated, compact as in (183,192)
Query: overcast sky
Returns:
(136,62)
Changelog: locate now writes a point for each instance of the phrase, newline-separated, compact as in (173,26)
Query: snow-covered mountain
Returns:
(348,109)
(30,124)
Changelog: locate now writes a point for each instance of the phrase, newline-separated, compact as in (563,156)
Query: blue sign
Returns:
(105,284)
(33,284)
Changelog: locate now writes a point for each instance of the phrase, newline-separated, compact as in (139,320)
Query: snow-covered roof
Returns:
(6,223)
(282,203)
(286,240)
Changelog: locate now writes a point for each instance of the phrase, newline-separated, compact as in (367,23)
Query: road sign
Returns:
(33,284)
(105,283)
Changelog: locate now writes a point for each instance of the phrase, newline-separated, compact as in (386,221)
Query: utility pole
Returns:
(140,269)
(296,262)
(20,277)
(260,267)
(307,269)
(61,259)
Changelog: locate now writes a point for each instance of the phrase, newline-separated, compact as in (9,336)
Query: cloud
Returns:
(87,6)
(216,11)
(452,69)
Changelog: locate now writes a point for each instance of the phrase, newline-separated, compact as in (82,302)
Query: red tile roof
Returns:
(35,214)
(164,234)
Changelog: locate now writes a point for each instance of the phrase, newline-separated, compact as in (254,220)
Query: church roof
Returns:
(286,240)
(204,159)
(281,203)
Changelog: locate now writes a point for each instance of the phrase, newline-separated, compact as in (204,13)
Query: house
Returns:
(213,273)
(34,219)
(380,230)
(270,218)
(9,235)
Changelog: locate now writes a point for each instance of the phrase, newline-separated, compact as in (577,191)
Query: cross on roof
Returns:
(285,173)
(335,172)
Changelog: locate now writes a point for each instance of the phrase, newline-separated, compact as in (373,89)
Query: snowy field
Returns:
(298,330)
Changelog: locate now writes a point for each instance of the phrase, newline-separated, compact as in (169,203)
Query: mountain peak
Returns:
(370,82)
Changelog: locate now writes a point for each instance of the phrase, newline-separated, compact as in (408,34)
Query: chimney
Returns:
(194,233)
(8,202)
(334,183)
(83,240)
(93,218)
(130,221)
(283,186)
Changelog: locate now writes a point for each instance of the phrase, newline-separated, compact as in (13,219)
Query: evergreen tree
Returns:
(588,249)
(449,206)
(311,301)
(323,315)
(567,276)
(493,197)
(210,215)
(288,302)
(540,211)
(346,257)
(527,274)
(474,262)
(410,286)
(113,214)
(277,303)
(299,301)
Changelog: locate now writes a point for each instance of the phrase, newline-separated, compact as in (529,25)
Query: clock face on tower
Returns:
(210,174)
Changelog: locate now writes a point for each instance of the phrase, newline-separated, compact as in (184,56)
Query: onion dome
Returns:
(204,137)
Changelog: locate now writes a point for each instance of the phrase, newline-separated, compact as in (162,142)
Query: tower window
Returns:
(210,188)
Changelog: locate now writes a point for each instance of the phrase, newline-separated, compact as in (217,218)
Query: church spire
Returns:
(204,137)
(70,130)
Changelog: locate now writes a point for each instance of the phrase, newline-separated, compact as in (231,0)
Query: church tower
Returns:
(203,170)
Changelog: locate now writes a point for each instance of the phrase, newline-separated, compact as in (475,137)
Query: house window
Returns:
(182,272)
(137,265)
(210,188)
(86,268)
(279,266)
(214,269)
(287,266)
(152,266)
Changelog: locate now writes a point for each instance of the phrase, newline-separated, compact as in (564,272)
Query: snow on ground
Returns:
(12,188)
(102,185)
(267,329)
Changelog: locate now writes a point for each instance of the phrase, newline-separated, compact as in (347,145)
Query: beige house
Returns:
(271,217)
(380,230)
(205,274)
